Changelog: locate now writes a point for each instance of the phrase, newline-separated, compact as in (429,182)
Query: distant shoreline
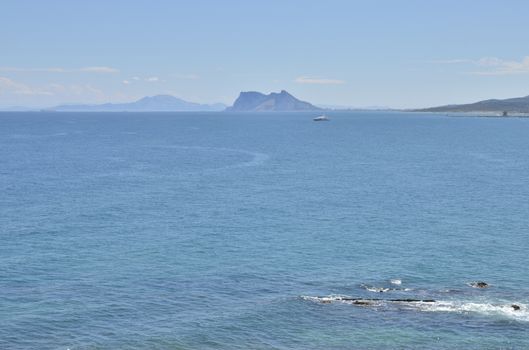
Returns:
(476,114)
(212,112)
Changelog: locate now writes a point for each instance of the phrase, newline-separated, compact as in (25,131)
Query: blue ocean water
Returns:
(247,231)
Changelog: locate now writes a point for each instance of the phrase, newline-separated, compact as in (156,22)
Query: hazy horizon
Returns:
(136,220)
(400,55)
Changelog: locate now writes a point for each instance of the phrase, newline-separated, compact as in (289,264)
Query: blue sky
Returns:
(351,53)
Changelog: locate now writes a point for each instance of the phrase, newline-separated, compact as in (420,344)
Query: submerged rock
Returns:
(479,284)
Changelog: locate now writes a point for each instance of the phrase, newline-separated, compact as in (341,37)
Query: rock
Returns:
(252,101)
(479,284)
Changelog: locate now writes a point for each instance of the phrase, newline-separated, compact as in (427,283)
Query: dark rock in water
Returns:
(375,302)
(515,307)
(413,300)
(361,299)
(479,284)
(371,301)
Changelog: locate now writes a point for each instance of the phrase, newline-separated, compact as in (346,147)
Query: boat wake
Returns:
(256,158)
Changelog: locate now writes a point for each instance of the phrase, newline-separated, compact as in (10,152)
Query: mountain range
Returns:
(510,105)
(281,101)
(247,101)
(273,102)
(158,103)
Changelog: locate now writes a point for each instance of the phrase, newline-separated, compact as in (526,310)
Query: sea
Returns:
(263,231)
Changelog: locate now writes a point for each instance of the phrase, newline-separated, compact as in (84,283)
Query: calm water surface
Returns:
(243,231)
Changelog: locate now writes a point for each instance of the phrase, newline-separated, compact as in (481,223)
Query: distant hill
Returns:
(511,105)
(283,101)
(18,109)
(158,103)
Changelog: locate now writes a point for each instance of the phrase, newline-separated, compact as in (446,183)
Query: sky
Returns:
(400,54)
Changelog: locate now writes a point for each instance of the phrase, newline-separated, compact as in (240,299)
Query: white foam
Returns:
(342,299)
(384,289)
(501,309)
(333,298)
(377,289)
(324,299)
(397,282)
(504,310)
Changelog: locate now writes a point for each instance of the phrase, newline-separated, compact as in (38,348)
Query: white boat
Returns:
(321,118)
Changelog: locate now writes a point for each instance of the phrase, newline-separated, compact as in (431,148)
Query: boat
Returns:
(321,118)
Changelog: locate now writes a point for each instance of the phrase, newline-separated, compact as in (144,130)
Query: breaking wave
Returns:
(507,310)
(375,289)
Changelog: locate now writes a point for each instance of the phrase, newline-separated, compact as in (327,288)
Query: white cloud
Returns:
(8,86)
(99,69)
(94,69)
(498,66)
(321,81)
(134,79)
(85,90)
(493,65)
